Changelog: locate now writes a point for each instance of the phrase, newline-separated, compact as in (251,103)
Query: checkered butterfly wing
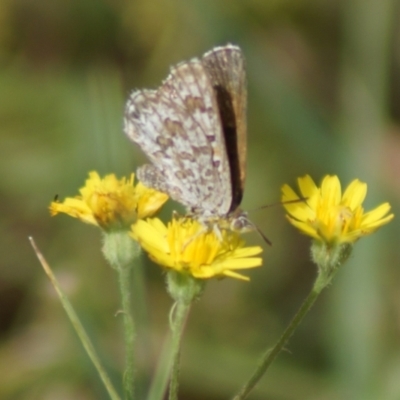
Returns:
(181,128)
(227,71)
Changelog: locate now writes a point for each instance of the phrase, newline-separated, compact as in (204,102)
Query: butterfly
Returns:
(193,130)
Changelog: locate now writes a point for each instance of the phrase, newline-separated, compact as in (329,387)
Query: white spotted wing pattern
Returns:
(193,130)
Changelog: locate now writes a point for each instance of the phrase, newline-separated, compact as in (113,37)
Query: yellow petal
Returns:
(354,194)
(187,246)
(376,214)
(331,190)
(331,217)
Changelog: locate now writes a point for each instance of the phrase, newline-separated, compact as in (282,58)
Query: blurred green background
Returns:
(324,98)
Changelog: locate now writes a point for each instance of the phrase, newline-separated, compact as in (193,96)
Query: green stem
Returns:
(181,310)
(125,279)
(270,355)
(76,323)
(328,259)
(121,251)
(162,373)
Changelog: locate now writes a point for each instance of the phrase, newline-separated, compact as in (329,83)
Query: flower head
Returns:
(187,246)
(326,215)
(111,203)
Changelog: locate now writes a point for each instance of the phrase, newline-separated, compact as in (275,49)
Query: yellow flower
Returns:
(327,215)
(186,246)
(111,203)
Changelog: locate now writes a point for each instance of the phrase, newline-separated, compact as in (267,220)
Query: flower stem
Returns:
(121,252)
(180,310)
(125,278)
(162,373)
(329,259)
(77,325)
(270,355)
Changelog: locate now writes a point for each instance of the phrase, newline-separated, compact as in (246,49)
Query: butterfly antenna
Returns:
(261,233)
(281,203)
